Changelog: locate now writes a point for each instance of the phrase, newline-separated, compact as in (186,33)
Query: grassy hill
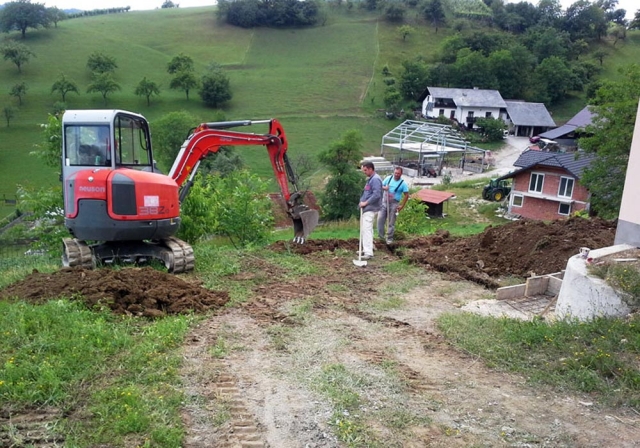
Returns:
(319,82)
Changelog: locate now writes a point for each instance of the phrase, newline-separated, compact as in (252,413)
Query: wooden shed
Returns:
(434,199)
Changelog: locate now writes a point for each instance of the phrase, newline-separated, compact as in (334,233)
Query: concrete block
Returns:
(510,292)
(536,285)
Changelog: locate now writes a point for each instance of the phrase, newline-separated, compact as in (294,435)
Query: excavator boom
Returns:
(210,137)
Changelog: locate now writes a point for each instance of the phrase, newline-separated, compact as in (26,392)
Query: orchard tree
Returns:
(147,88)
(104,84)
(19,90)
(169,133)
(17,53)
(179,64)
(344,186)
(434,13)
(21,15)
(185,81)
(56,15)
(405,31)
(614,111)
(64,86)
(214,87)
(101,63)
(9,113)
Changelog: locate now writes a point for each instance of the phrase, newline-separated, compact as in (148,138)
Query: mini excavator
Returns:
(119,206)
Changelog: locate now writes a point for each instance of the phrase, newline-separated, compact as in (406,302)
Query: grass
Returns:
(60,354)
(599,357)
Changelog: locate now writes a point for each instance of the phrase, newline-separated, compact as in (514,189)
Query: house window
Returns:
(566,187)
(564,209)
(535,184)
(518,200)
(487,115)
(441,112)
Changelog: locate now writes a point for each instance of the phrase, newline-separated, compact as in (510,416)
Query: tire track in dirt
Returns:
(213,398)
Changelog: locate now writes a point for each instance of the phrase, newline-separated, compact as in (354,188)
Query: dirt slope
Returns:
(415,389)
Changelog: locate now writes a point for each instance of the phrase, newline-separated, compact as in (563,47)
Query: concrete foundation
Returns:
(627,232)
(584,297)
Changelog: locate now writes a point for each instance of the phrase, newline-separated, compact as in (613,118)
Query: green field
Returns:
(319,81)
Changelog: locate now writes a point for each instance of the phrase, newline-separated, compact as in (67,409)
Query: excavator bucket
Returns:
(304,225)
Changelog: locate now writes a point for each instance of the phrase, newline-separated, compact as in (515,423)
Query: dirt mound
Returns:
(520,248)
(137,291)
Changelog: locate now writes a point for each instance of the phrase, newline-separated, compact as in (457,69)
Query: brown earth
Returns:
(418,390)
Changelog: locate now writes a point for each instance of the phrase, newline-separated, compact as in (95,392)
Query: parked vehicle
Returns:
(496,190)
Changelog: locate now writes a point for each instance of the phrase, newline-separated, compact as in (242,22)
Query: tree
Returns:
(434,12)
(214,87)
(635,23)
(17,53)
(19,90)
(599,55)
(147,88)
(553,78)
(101,63)
(184,81)
(395,11)
(609,136)
(56,15)
(169,4)
(405,31)
(64,86)
(21,15)
(9,113)
(169,133)
(584,20)
(618,32)
(179,64)
(340,197)
(104,84)
(492,128)
(413,78)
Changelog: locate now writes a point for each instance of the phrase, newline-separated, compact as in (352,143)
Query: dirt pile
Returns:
(136,291)
(520,248)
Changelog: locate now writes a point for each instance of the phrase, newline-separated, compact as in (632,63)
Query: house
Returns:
(467,105)
(567,134)
(547,185)
(462,105)
(528,119)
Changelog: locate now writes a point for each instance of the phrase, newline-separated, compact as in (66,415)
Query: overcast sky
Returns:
(630,5)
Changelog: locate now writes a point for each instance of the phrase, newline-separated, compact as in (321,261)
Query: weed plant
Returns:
(599,357)
(623,277)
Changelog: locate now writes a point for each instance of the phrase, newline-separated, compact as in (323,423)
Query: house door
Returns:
(452,115)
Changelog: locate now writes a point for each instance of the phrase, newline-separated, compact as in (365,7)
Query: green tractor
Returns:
(496,190)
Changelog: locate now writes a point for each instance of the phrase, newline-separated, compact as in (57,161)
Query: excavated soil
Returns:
(138,291)
(419,390)
(518,249)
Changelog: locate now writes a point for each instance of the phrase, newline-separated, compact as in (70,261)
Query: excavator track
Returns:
(77,253)
(180,258)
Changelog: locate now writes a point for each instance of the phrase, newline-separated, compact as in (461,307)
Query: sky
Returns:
(630,5)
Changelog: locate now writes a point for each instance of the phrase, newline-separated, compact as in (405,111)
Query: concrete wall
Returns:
(628,231)
(584,297)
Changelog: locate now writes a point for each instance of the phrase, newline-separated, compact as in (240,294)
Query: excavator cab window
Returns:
(87,145)
(132,142)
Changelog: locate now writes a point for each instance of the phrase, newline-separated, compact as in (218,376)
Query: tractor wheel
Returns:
(498,195)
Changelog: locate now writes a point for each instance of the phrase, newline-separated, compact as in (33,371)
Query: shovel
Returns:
(360,262)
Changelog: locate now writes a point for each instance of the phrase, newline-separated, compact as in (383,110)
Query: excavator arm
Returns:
(209,137)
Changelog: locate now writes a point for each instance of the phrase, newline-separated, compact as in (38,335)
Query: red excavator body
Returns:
(118,206)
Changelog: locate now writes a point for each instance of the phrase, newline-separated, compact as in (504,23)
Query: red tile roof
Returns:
(433,196)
